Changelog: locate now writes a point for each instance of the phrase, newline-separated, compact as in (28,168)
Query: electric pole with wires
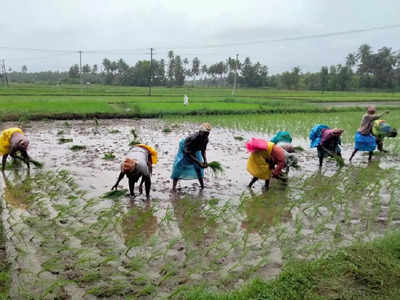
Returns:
(4,73)
(80,67)
(235,78)
(151,70)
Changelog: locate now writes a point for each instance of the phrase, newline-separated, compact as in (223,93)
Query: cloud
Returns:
(178,25)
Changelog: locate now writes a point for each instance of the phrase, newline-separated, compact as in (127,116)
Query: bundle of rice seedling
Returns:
(298,148)
(17,163)
(115,194)
(36,163)
(215,167)
(64,140)
(134,142)
(77,147)
(339,160)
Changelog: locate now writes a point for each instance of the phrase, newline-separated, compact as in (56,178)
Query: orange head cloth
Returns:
(128,165)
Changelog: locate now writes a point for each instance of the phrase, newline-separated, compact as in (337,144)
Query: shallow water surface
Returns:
(64,239)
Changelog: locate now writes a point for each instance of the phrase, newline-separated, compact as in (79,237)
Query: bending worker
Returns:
(266,160)
(138,165)
(191,158)
(13,140)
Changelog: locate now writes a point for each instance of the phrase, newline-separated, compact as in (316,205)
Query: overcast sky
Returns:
(128,28)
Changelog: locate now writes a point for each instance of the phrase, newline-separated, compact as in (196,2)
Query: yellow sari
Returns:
(5,139)
(152,151)
(257,164)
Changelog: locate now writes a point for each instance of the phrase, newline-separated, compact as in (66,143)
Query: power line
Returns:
(296,38)
(221,45)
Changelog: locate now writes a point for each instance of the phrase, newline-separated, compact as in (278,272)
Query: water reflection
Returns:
(266,210)
(139,224)
(196,218)
(18,191)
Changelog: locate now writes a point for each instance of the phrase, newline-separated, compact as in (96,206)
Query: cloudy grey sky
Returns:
(128,28)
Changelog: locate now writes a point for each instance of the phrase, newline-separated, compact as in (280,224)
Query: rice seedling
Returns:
(60,132)
(298,148)
(77,147)
(133,132)
(166,130)
(36,163)
(238,138)
(115,194)
(114,131)
(64,140)
(109,156)
(215,167)
(134,142)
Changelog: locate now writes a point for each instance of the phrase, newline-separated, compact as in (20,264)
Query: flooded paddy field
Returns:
(64,239)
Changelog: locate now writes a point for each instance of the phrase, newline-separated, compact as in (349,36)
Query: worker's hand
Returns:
(204,165)
(115,187)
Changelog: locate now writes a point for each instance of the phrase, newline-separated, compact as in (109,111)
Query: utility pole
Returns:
(80,66)
(151,70)
(4,72)
(235,78)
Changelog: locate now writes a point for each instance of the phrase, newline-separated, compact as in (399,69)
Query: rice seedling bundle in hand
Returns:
(215,167)
(36,163)
(298,148)
(115,194)
(339,160)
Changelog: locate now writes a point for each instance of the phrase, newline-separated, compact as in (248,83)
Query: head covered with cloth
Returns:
(138,164)
(13,140)
(364,139)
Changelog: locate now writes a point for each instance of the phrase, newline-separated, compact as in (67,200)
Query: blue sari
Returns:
(364,142)
(183,167)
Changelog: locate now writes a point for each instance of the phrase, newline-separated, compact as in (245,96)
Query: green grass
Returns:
(298,124)
(99,90)
(31,101)
(361,271)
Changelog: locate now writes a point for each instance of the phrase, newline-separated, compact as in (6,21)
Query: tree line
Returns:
(362,69)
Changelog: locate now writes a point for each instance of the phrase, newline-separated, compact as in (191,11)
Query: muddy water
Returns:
(64,240)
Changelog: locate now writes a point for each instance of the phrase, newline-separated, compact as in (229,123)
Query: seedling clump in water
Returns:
(109,156)
(77,147)
(64,140)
